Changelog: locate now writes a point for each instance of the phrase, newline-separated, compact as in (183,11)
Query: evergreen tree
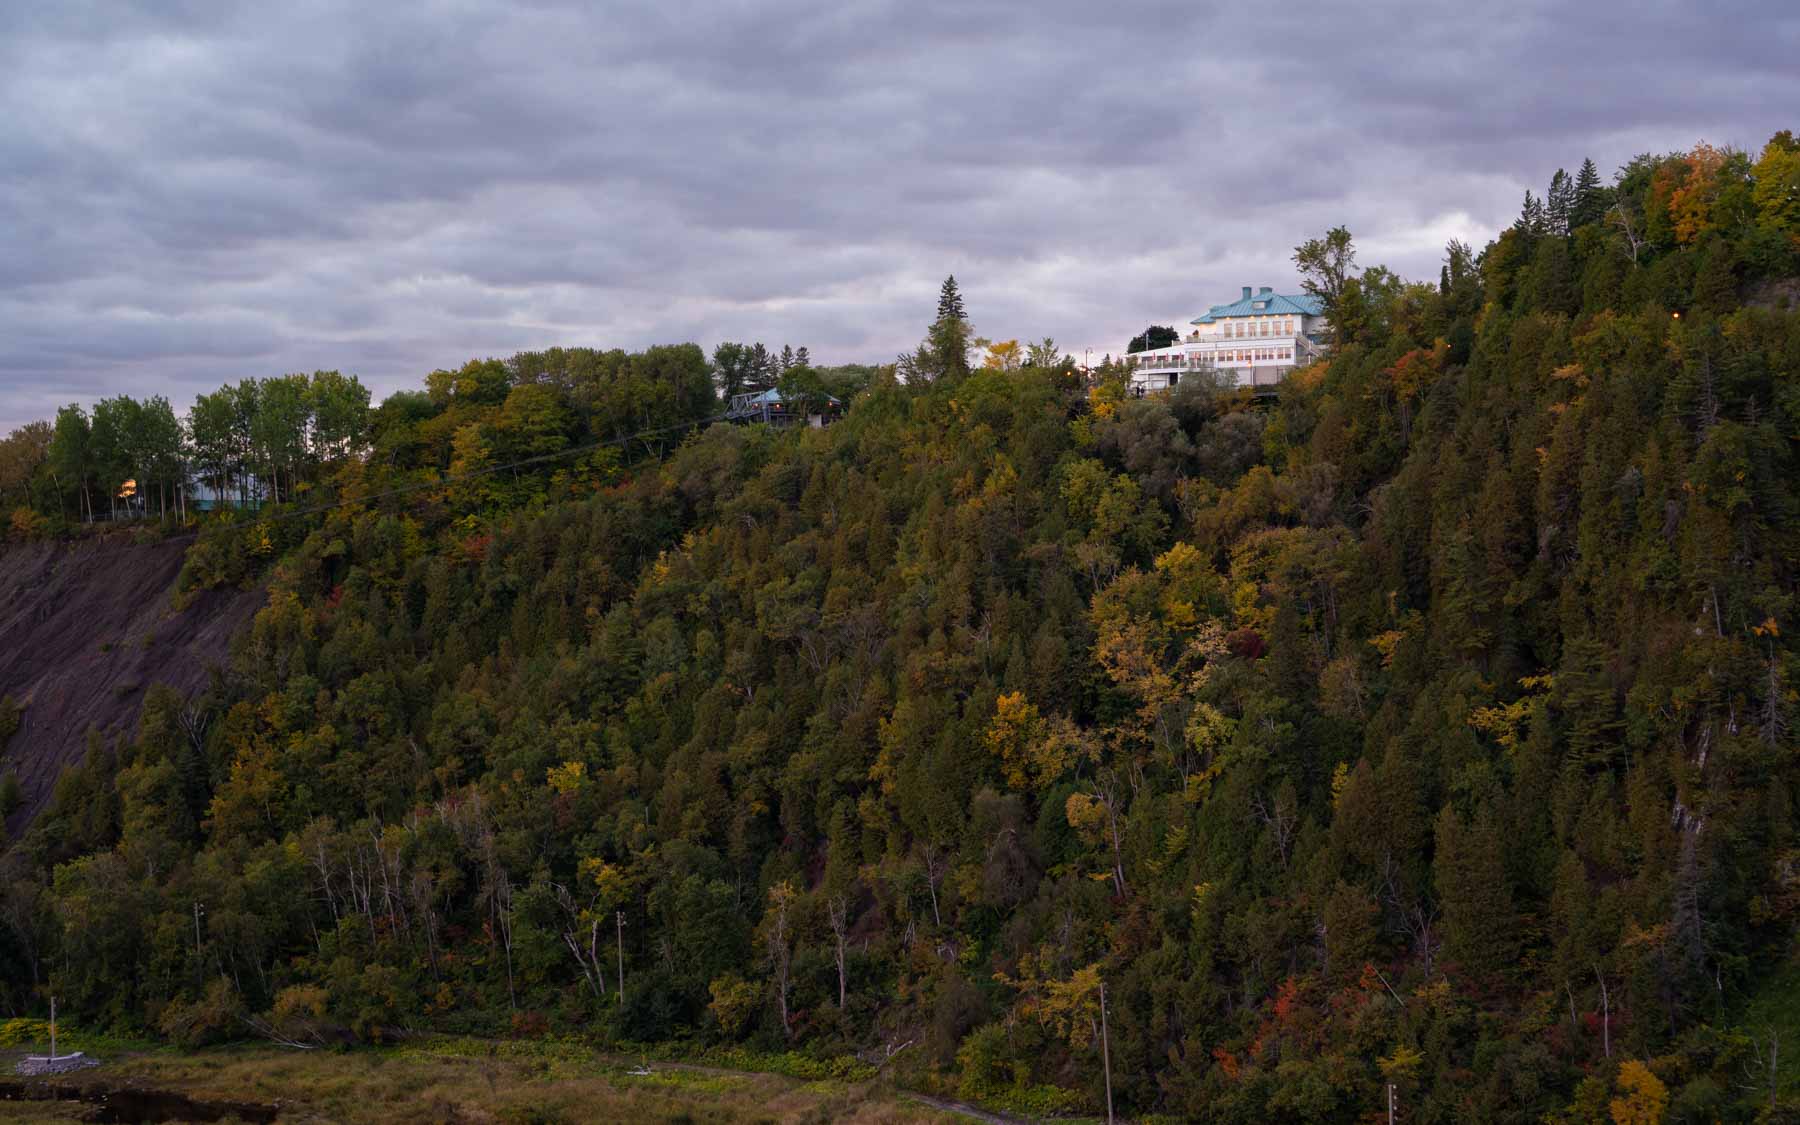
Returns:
(1532,220)
(1559,203)
(801,357)
(1589,202)
(786,363)
(1470,875)
(944,354)
(950,302)
(761,369)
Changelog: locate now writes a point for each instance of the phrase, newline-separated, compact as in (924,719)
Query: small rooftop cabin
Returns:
(771,408)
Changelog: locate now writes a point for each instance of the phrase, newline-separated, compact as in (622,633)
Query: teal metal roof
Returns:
(772,397)
(1265,304)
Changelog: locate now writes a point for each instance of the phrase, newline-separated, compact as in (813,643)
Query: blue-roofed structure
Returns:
(1254,341)
(772,408)
(1264,303)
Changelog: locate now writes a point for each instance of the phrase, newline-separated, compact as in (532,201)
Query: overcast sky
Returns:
(193,192)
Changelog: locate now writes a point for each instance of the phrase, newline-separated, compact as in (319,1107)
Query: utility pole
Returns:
(53,1027)
(1390,1103)
(199,973)
(619,917)
(1106,1054)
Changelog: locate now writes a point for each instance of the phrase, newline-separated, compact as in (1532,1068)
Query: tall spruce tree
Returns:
(761,372)
(1589,202)
(1560,202)
(1531,215)
(1469,872)
(944,353)
(950,303)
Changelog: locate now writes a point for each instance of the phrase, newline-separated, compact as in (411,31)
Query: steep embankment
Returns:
(85,629)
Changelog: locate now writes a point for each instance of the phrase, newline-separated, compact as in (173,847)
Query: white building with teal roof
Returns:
(1254,341)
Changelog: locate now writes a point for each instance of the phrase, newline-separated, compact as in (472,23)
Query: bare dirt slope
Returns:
(85,629)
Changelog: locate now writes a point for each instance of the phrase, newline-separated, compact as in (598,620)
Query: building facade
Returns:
(1255,341)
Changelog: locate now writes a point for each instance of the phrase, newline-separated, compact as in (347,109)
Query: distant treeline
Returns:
(269,440)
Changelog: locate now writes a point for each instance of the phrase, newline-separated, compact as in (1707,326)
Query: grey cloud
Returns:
(195,192)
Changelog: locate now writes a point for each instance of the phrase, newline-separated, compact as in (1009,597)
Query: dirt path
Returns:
(961,1109)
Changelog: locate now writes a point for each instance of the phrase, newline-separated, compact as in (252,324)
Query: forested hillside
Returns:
(1428,725)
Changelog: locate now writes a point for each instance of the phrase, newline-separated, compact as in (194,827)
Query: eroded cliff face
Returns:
(85,629)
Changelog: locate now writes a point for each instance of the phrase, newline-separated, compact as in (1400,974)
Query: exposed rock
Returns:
(85,629)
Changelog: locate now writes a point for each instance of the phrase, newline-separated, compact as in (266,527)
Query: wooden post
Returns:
(1390,1103)
(619,917)
(53,1028)
(1106,1054)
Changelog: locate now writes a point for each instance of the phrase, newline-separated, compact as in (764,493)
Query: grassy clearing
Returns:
(514,1084)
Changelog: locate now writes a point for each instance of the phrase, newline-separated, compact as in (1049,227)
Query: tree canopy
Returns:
(1428,726)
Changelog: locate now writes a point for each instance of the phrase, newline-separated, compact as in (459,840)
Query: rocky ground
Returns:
(85,629)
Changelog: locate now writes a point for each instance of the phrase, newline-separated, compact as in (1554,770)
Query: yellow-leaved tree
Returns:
(1006,355)
(1034,751)
(1642,1096)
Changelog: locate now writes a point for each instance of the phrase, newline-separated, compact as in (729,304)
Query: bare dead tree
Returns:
(503,918)
(193,719)
(837,909)
(1605,1013)
(1417,917)
(268,1031)
(497,892)
(583,946)
(1762,1070)
(1773,724)
(1282,821)
(422,889)
(937,865)
(1621,218)
(779,948)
